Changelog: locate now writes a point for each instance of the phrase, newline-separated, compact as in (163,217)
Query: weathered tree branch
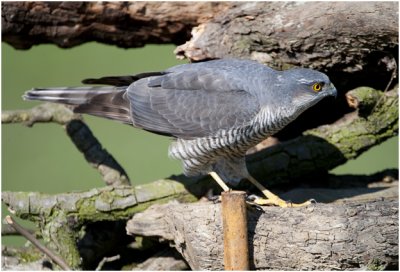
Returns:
(102,204)
(339,36)
(66,213)
(125,24)
(322,35)
(43,113)
(349,236)
(80,134)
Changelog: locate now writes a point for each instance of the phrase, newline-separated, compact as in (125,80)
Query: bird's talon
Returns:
(255,206)
(313,201)
(215,199)
(252,198)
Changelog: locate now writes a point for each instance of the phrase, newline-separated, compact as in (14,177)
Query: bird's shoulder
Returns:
(222,75)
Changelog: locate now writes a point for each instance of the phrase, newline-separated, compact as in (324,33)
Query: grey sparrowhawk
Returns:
(215,110)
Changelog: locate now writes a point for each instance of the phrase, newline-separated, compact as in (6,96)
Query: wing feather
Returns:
(191,103)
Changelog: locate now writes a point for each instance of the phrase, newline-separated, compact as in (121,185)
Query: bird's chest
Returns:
(230,143)
(263,126)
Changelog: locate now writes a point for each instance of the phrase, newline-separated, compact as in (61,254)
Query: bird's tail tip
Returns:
(31,94)
(108,102)
(67,95)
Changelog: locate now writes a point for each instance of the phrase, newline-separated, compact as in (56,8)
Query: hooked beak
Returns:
(332,90)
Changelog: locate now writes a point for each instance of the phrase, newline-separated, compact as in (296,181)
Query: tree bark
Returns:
(316,35)
(125,24)
(65,214)
(166,260)
(341,36)
(350,236)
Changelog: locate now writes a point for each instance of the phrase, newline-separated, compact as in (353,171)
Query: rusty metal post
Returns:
(234,221)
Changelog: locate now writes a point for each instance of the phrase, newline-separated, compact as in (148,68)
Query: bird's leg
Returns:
(220,182)
(225,187)
(273,199)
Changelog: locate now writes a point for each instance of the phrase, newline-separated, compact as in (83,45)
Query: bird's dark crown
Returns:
(307,76)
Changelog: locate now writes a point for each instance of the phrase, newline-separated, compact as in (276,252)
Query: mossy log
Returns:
(65,218)
(61,217)
(349,236)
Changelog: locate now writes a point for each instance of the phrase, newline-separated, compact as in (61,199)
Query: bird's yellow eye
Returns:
(317,87)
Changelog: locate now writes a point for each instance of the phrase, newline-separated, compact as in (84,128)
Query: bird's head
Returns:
(305,87)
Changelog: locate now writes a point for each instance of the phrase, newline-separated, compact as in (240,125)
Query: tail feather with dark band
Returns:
(107,102)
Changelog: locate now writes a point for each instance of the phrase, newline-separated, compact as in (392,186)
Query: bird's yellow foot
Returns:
(272,199)
(277,201)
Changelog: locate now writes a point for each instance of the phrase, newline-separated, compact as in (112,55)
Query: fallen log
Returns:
(349,236)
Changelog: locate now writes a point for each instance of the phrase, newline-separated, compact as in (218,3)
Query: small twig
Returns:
(7,230)
(107,260)
(391,64)
(36,243)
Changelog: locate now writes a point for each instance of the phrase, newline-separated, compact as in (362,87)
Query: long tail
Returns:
(108,102)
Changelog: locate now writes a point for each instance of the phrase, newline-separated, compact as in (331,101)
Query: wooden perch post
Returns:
(234,222)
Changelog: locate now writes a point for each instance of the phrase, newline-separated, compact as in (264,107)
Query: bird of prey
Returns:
(215,110)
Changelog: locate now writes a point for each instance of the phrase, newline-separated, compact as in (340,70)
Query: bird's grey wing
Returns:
(191,103)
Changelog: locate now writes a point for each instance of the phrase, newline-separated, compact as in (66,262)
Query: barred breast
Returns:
(200,154)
